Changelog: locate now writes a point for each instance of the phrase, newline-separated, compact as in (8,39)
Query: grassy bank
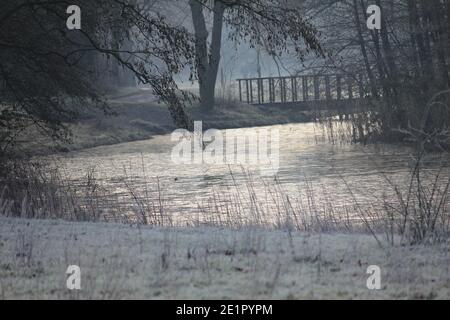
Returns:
(137,115)
(124,262)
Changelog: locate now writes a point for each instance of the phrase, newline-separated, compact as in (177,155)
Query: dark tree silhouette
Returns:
(47,73)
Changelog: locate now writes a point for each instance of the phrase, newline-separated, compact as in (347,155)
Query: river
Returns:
(314,176)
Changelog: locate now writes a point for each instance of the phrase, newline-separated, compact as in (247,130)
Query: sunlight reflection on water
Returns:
(309,164)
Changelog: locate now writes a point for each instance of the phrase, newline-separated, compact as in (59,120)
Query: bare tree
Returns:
(406,63)
(276,25)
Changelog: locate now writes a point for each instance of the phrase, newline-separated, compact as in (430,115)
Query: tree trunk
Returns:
(258,63)
(448,26)
(439,40)
(387,49)
(114,64)
(427,54)
(412,23)
(207,64)
(379,57)
(364,50)
(391,85)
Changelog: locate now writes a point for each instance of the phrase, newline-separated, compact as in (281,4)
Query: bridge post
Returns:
(258,86)
(240,90)
(274,90)
(327,88)
(350,87)
(274,94)
(339,87)
(247,91)
(281,89)
(361,86)
(316,88)
(262,90)
(251,90)
(294,89)
(270,90)
(305,88)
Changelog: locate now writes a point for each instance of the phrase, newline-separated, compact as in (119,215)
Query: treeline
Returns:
(406,63)
(49,73)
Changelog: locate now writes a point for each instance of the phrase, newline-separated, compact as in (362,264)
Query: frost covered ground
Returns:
(124,262)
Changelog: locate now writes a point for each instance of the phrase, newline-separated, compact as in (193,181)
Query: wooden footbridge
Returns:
(305,92)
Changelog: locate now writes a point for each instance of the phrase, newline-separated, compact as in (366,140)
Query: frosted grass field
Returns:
(128,262)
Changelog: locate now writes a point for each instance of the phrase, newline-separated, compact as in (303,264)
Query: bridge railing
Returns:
(303,88)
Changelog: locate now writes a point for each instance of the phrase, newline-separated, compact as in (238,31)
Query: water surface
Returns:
(313,173)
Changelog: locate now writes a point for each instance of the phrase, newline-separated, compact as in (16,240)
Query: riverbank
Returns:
(125,262)
(137,115)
